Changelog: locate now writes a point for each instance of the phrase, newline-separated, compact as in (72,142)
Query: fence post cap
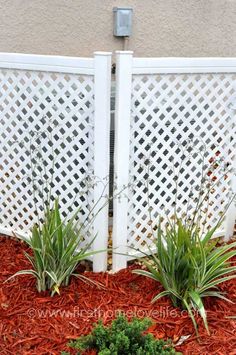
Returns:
(124,52)
(102,53)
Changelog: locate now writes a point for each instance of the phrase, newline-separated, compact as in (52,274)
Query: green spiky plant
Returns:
(57,244)
(57,250)
(189,268)
(187,262)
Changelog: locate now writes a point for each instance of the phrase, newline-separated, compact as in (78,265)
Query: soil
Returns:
(37,324)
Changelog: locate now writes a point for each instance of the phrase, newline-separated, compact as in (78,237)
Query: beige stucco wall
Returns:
(79,27)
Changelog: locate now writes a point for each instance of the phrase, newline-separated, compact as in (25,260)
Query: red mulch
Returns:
(36,324)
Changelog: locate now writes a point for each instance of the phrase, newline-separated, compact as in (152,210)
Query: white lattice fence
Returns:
(54,115)
(174,117)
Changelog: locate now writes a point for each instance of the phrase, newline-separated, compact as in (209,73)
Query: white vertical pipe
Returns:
(124,60)
(231,213)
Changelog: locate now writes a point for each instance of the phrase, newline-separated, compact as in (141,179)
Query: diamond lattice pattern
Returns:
(175,118)
(46,118)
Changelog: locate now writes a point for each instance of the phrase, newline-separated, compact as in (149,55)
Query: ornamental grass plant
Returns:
(190,267)
(57,244)
(187,262)
(57,249)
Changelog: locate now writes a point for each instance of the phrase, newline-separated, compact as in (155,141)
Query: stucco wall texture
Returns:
(190,28)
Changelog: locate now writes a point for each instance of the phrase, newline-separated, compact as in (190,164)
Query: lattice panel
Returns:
(176,120)
(45,117)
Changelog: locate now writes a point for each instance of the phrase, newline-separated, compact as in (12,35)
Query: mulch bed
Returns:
(37,324)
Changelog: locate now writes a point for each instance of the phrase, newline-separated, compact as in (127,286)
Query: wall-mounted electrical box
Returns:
(122,21)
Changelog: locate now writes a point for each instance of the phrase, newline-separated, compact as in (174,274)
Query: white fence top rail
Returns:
(183,65)
(48,63)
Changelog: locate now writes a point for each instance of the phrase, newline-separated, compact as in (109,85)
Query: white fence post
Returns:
(124,61)
(102,89)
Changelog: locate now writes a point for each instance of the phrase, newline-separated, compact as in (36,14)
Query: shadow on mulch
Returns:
(37,324)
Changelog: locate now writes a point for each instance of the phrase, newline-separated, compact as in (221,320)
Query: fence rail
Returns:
(49,63)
